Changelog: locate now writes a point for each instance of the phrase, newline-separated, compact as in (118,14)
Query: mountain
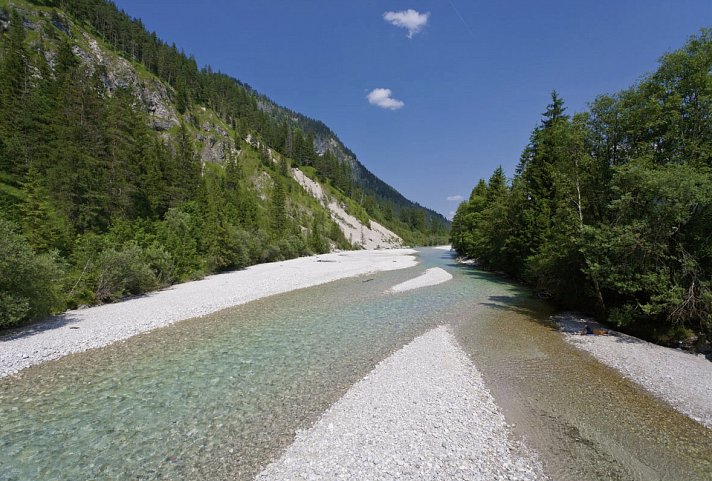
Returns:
(124,167)
(286,131)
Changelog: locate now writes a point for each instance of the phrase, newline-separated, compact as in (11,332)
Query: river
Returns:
(219,396)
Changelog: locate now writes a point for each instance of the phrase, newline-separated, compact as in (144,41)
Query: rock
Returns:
(160,124)
(215,149)
(60,24)
(4,20)
(158,103)
(29,25)
(118,73)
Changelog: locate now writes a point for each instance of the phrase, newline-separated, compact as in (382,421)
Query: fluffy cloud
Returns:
(455,198)
(382,98)
(450,215)
(410,19)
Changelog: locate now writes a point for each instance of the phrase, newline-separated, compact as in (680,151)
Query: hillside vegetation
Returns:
(610,210)
(124,167)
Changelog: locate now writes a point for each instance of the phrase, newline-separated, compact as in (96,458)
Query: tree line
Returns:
(610,210)
(95,205)
(249,112)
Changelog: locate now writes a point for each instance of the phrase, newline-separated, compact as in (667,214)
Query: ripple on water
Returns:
(214,397)
(587,421)
(217,397)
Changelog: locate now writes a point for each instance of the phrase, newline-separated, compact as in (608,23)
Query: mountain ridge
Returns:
(123,170)
(376,191)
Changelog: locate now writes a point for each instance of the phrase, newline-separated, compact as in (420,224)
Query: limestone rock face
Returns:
(118,73)
(217,144)
(263,183)
(4,21)
(371,236)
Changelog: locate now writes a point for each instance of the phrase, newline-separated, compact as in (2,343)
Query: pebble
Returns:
(103,325)
(397,417)
(679,378)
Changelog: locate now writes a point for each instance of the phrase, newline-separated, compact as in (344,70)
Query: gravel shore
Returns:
(430,277)
(421,414)
(79,330)
(679,378)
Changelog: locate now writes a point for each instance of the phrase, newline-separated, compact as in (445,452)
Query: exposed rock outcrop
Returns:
(263,184)
(372,236)
(118,73)
(217,144)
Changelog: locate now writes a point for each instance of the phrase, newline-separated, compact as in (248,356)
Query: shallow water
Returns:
(587,421)
(217,397)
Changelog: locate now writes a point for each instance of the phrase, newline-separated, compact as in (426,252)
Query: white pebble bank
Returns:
(681,379)
(424,413)
(430,277)
(79,330)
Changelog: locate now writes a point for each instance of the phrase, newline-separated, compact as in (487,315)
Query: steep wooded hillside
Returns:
(304,140)
(124,167)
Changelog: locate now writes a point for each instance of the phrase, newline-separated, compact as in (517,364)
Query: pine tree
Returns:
(42,226)
(554,111)
(14,90)
(278,208)
(187,167)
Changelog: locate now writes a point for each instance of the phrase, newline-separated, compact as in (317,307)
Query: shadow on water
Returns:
(586,421)
(218,397)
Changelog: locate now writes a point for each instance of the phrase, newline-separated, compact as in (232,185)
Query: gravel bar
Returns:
(79,330)
(424,413)
(681,379)
(430,277)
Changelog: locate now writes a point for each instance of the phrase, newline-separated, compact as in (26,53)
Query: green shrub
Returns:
(29,283)
(123,273)
(177,235)
(161,263)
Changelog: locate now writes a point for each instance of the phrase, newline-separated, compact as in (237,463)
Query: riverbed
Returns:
(221,396)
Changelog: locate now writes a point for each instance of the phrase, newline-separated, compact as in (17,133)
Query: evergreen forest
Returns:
(610,210)
(112,187)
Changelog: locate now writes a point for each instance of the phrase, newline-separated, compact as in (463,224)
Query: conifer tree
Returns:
(278,208)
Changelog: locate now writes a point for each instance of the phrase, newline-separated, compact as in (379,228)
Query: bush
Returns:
(161,263)
(29,283)
(123,273)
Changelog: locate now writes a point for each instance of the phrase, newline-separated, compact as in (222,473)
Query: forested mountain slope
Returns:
(124,167)
(611,209)
(288,132)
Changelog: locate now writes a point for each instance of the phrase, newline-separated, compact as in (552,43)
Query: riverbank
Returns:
(422,413)
(83,329)
(681,379)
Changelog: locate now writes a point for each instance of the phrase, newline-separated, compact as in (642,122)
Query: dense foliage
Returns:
(611,209)
(288,132)
(95,205)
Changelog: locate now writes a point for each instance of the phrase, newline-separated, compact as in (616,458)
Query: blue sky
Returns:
(473,80)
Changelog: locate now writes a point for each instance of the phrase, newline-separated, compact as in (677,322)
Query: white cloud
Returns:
(410,19)
(455,198)
(382,98)
(450,215)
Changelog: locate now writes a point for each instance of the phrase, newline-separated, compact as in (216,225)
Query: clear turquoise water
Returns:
(217,397)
